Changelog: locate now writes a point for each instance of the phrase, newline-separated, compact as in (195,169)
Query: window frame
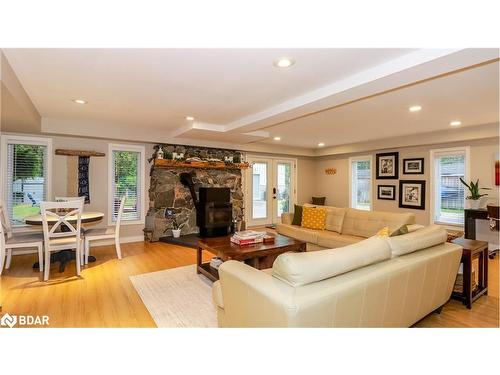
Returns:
(432,180)
(351,195)
(141,168)
(7,139)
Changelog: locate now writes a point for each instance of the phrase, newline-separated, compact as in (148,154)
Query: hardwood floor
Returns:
(105,297)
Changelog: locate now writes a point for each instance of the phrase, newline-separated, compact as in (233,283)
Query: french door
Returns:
(270,189)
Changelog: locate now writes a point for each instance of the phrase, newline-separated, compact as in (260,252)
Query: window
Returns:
(26,166)
(360,191)
(448,193)
(126,178)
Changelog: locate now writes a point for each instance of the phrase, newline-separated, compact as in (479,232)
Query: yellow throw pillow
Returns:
(313,218)
(384,232)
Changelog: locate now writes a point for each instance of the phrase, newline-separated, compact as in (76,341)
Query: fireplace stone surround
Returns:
(166,190)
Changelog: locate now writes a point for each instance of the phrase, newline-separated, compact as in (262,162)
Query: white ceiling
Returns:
(159,87)
(471,96)
(238,96)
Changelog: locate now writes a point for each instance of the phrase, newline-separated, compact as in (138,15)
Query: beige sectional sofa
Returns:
(378,282)
(344,226)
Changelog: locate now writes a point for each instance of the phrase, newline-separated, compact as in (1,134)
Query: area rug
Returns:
(177,297)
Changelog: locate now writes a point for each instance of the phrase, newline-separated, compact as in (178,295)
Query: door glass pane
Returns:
(259,190)
(284,187)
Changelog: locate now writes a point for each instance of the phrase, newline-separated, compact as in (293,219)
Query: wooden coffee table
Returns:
(260,256)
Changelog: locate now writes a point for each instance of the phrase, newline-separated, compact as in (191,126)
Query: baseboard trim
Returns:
(93,243)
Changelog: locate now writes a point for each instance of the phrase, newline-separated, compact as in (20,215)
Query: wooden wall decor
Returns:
(331,171)
(61,151)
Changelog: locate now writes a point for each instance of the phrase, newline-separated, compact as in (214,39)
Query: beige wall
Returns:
(336,187)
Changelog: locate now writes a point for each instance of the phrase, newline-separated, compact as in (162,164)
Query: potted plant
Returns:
(176,228)
(474,199)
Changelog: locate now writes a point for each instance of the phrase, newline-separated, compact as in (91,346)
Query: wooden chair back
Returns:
(5,219)
(61,220)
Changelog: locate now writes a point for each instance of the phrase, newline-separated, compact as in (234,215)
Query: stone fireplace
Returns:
(167,191)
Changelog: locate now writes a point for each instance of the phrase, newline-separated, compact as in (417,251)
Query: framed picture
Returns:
(388,166)
(413,166)
(412,194)
(387,192)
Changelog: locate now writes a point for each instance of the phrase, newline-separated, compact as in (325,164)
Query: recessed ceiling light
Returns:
(415,108)
(277,138)
(321,144)
(80,101)
(284,62)
(189,118)
(456,123)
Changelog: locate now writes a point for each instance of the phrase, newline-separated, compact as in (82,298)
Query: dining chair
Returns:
(11,243)
(106,233)
(68,236)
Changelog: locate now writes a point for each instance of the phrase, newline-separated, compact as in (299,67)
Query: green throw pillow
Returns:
(403,229)
(297,215)
(320,201)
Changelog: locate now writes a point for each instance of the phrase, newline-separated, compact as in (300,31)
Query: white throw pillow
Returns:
(304,268)
(418,240)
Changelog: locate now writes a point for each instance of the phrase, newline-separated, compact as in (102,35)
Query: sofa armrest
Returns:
(287,217)
(253,298)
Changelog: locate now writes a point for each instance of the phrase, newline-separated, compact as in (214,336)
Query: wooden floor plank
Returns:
(104,295)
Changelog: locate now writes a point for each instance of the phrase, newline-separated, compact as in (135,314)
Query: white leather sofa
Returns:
(344,226)
(379,282)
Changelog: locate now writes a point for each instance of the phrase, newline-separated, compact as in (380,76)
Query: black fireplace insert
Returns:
(214,210)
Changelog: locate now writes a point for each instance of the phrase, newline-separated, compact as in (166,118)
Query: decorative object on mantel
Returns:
(475,200)
(83,188)
(159,154)
(331,171)
(202,164)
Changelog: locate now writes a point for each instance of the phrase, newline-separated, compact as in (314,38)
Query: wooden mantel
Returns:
(165,163)
(61,151)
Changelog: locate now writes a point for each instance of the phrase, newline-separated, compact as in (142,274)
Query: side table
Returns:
(472,250)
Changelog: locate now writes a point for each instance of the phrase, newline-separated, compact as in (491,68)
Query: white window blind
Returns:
(449,193)
(361,183)
(127,181)
(25,176)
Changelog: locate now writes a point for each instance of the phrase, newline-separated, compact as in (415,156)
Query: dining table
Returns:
(65,256)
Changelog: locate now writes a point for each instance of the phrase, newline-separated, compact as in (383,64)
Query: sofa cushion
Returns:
(299,233)
(332,240)
(320,201)
(313,218)
(305,268)
(418,240)
(334,217)
(297,215)
(368,223)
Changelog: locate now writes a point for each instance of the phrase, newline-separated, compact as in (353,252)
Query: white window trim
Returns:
(361,158)
(141,168)
(432,180)
(20,139)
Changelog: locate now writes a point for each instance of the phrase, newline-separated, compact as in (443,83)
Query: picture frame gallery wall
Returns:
(412,192)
